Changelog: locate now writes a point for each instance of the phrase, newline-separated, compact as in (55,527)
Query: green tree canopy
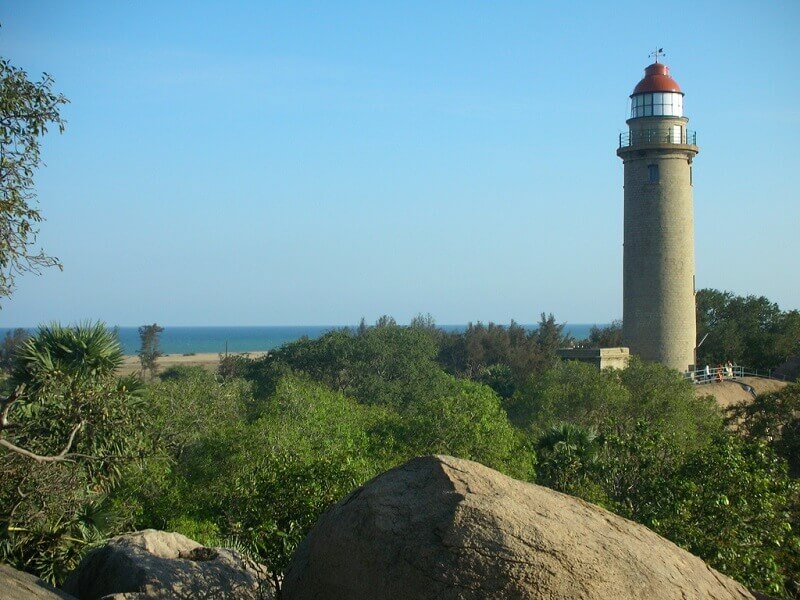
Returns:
(614,401)
(775,420)
(749,330)
(68,432)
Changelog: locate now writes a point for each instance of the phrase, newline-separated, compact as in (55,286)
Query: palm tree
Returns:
(87,351)
(566,452)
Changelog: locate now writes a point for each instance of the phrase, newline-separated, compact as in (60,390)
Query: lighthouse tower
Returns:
(658,311)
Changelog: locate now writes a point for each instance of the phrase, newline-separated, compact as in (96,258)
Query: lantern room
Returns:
(657,94)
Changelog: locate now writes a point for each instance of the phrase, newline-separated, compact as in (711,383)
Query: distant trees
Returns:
(502,357)
(27,110)
(11,343)
(749,330)
(609,336)
(148,351)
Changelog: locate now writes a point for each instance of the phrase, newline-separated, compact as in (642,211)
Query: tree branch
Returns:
(6,403)
(60,457)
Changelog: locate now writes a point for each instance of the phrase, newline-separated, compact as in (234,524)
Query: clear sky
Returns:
(274,163)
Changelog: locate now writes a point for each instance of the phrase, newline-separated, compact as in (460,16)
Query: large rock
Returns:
(151,565)
(16,585)
(440,527)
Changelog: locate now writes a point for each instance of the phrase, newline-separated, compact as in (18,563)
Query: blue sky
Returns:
(311,163)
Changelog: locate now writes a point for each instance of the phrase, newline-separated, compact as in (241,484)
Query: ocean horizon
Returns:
(219,339)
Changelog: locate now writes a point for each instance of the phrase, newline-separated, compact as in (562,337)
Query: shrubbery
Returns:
(251,456)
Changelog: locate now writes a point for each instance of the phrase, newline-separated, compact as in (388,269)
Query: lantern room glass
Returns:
(657,104)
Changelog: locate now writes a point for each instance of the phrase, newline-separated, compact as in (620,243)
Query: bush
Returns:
(85,425)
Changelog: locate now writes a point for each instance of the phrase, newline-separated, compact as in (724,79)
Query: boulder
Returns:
(150,565)
(16,585)
(441,527)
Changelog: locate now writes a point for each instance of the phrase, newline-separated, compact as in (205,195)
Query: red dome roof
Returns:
(657,79)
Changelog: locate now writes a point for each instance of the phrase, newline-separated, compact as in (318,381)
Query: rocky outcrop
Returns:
(151,565)
(736,391)
(440,527)
(16,585)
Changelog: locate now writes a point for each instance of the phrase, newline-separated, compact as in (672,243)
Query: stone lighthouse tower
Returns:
(658,311)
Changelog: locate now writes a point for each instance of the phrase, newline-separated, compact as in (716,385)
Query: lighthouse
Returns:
(658,310)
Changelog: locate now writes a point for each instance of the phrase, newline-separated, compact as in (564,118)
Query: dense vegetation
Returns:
(748,330)
(250,456)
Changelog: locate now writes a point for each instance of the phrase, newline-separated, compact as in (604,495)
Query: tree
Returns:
(731,504)
(258,483)
(609,336)
(466,419)
(502,357)
(548,338)
(67,431)
(27,110)
(149,352)
(614,401)
(567,457)
(749,330)
(773,419)
(11,343)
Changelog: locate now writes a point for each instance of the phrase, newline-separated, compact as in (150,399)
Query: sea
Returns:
(197,340)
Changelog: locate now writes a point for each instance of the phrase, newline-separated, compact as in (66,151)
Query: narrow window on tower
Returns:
(652,173)
(691,179)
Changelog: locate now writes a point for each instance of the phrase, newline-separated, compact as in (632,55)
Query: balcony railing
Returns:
(643,137)
(725,373)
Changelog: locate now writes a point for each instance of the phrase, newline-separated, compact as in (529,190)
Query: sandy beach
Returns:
(208,360)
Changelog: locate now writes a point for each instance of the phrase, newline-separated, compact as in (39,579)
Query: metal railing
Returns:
(657,136)
(723,373)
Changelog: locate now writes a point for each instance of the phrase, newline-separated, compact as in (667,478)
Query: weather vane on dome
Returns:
(658,52)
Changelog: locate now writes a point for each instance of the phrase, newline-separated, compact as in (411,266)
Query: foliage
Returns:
(50,510)
(773,419)
(748,330)
(12,342)
(572,392)
(83,353)
(567,459)
(503,357)
(148,351)
(260,481)
(27,110)
(386,364)
(251,456)
(731,503)
(606,337)
(468,421)
(614,401)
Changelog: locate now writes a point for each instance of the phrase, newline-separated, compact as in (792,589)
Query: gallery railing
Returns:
(722,373)
(657,136)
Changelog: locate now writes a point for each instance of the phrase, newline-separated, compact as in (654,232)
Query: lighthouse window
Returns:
(657,104)
(652,173)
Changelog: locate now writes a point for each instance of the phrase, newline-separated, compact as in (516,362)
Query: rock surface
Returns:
(16,585)
(734,391)
(150,565)
(440,527)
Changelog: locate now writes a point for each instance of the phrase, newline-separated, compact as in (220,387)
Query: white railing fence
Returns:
(722,373)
